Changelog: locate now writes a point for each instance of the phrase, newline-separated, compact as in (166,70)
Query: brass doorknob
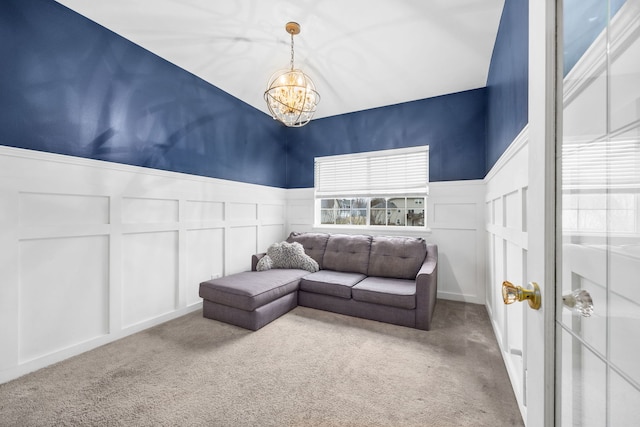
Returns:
(512,293)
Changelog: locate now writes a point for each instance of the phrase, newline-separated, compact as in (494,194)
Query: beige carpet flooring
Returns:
(308,368)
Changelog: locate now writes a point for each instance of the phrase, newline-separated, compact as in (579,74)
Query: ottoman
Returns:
(251,299)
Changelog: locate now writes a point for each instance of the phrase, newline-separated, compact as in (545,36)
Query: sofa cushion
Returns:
(328,282)
(314,244)
(397,257)
(287,255)
(386,291)
(348,253)
(251,289)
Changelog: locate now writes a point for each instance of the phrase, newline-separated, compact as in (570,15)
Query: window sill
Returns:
(398,231)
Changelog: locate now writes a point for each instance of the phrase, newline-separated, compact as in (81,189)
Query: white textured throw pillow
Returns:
(287,255)
(264,263)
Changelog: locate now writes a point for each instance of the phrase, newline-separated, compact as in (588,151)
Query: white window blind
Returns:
(379,173)
(599,164)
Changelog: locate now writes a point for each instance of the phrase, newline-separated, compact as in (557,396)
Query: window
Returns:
(378,188)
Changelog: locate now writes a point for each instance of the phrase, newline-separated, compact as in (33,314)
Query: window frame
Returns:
(366,196)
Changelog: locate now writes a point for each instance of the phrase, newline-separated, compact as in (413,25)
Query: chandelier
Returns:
(291,95)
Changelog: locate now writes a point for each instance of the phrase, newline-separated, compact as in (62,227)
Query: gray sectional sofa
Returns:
(388,279)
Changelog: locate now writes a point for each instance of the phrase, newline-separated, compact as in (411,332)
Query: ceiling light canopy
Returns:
(291,95)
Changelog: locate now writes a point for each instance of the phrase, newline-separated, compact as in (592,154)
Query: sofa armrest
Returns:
(427,288)
(254,260)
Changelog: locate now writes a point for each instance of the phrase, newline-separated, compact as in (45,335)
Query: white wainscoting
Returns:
(455,218)
(93,251)
(506,248)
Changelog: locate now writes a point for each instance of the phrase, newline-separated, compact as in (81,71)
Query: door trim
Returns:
(543,97)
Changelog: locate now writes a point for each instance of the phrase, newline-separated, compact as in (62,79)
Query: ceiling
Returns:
(360,54)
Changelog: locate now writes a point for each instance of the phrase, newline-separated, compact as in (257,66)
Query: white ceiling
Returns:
(361,54)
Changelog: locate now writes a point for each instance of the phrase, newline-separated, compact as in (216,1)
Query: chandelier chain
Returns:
(291,51)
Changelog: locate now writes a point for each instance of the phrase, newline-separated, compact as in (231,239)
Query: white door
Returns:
(598,246)
(520,218)
(580,229)
(536,396)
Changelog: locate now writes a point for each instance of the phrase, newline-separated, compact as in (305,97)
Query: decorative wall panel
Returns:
(458,215)
(62,209)
(242,244)
(148,211)
(204,211)
(242,211)
(499,268)
(512,209)
(205,261)
(515,258)
(270,234)
(64,293)
(268,212)
(149,276)
(457,264)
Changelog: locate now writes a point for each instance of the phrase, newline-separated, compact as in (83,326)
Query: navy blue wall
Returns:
(508,80)
(452,125)
(69,86)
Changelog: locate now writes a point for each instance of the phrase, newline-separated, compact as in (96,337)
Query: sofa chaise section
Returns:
(251,299)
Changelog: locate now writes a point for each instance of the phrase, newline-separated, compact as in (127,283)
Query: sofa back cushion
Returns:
(348,253)
(314,244)
(397,257)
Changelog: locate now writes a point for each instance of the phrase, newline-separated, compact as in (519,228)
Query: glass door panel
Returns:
(583,385)
(598,199)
